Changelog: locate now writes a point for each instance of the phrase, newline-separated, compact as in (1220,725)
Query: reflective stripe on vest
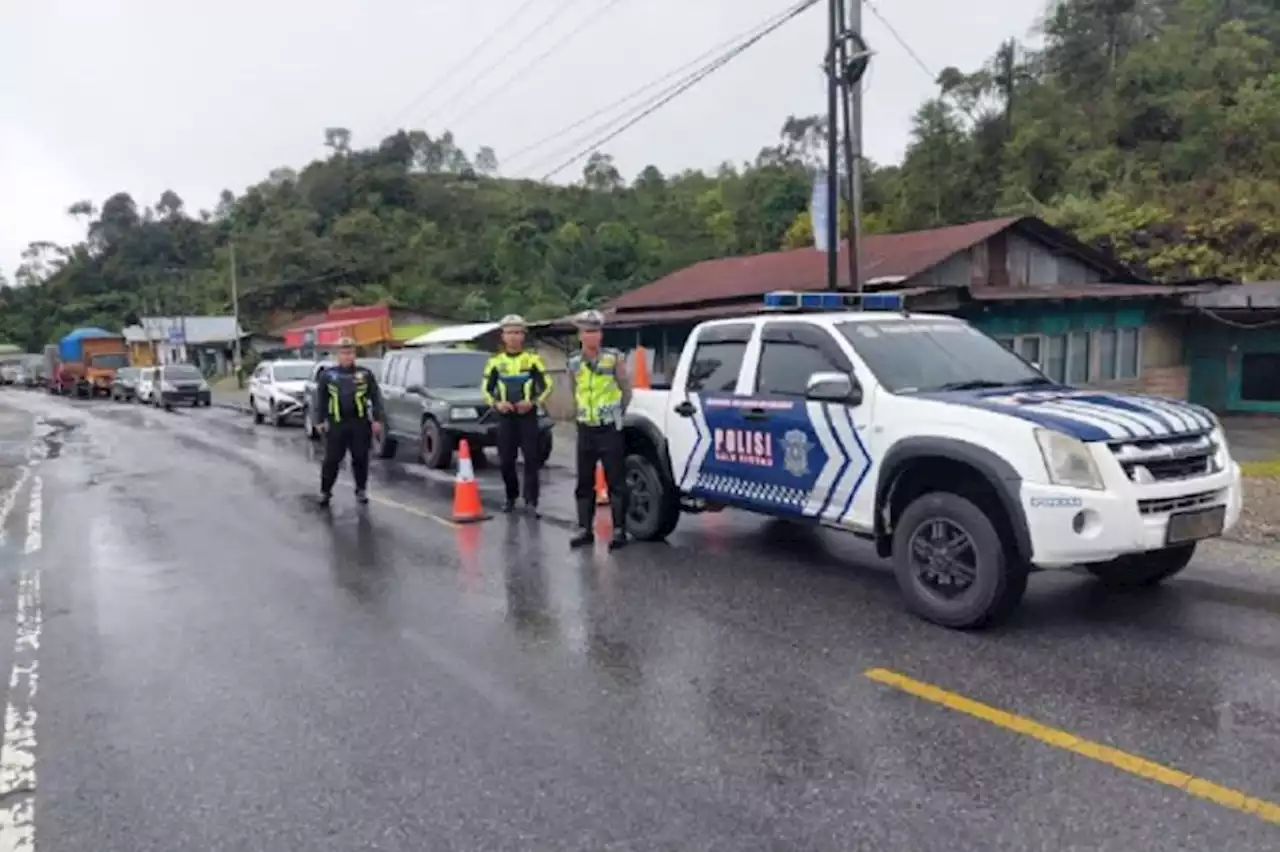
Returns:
(596,389)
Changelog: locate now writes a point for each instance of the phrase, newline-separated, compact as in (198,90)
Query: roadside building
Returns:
(1233,348)
(207,342)
(1083,316)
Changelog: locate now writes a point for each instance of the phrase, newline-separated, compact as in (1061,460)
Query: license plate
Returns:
(464,414)
(1193,526)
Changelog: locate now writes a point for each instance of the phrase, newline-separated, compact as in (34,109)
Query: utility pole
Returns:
(833,147)
(235,309)
(852,30)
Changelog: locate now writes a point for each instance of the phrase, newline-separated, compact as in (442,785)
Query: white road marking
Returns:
(35,510)
(18,747)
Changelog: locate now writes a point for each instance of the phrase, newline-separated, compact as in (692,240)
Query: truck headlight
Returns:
(1221,458)
(203,386)
(168,387)
(1068,461)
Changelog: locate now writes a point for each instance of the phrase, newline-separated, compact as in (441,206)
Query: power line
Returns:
(910,51)
(458,66)
(476,103)
(630,96)
(493,66)
(682,87)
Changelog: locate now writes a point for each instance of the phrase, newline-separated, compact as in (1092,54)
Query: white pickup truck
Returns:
(962,462)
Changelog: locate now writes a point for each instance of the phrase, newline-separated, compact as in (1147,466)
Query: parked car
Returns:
(277,391)
(433,399)
(181,383)
(310,416)
(147,385)
(125,386)
(8,374)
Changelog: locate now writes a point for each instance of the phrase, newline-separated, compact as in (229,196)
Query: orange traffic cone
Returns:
(640,380)
(602,486)
(466,492)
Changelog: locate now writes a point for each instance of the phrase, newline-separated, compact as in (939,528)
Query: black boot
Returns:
(532,509)
(509,506)
(586,514)
(619,510)
(361,496)
(324,499)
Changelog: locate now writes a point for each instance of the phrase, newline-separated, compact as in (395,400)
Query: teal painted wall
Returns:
(1214,351)
(1006,320)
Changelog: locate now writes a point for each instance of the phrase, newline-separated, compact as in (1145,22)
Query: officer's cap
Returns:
(346,343)
(589,320)
(513,321)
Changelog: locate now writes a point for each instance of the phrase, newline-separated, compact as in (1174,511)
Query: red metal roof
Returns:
(882,255)
(1072,292)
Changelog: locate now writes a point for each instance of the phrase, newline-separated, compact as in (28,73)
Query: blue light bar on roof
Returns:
(790,300)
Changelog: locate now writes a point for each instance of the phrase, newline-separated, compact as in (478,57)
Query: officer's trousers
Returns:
(352,436)
(518,434)
(603,444)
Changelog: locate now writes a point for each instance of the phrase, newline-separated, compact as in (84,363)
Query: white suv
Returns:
(277,391)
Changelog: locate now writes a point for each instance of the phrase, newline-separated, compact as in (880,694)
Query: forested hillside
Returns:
(1148,126)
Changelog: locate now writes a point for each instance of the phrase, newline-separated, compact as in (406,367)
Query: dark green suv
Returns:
(433,399)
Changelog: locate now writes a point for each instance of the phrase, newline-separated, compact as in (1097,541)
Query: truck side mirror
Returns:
(834,387)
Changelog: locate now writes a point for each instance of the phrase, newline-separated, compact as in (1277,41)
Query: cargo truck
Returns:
(88,360)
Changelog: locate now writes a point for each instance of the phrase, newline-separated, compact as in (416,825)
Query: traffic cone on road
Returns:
(466,491)
(640,379)
(602,486)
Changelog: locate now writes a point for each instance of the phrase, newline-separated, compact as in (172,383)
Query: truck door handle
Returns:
(755,414)
(686,409)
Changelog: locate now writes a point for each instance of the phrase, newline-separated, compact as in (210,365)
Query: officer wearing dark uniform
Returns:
(515,384)
(601,392)
(352,405)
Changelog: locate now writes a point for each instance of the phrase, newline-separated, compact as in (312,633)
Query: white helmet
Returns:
(589,320)
(513,321)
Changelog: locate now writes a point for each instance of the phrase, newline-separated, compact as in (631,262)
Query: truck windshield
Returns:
(936,354)
(455,369)
(110,362)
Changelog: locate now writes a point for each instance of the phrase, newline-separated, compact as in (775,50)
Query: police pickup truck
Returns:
(963,463)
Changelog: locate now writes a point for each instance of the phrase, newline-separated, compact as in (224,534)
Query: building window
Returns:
(1260,377)
(1029,349)
(1077,357)
(1128,359)
(1055,362)
(1107,355)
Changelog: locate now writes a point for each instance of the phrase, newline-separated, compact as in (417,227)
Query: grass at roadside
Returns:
(1265,469)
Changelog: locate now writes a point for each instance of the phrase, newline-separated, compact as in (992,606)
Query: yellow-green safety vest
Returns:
(596,389)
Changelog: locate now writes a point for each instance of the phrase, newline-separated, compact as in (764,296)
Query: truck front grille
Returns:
(1165,505)
(1166,459)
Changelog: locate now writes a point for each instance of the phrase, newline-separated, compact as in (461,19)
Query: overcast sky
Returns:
(148,95)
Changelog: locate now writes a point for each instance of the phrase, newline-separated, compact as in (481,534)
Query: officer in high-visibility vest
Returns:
(601,391)
(515,384)
(351,403)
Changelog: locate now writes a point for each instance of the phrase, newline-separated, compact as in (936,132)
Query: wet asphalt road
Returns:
(222,666)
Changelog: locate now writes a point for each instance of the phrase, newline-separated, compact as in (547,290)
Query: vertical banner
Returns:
(820,211)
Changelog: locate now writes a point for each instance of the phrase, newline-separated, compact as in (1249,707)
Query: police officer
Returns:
(352,405)
(515,384)
(601,391)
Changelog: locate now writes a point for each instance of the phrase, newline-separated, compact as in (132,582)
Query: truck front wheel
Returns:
(653,505)
(951,565)
(1134,570)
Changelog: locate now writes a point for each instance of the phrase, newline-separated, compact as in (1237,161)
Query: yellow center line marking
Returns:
(1114,757)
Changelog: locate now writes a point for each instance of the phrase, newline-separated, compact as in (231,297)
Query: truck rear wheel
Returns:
(653,505)
(951,565)
(1135,570)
